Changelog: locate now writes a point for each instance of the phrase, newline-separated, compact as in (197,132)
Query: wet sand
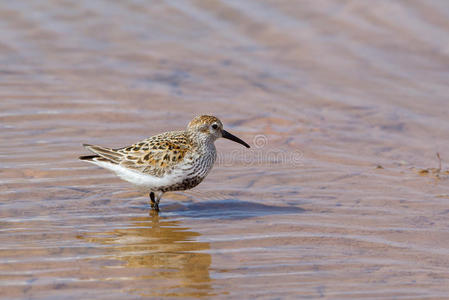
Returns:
(344,103)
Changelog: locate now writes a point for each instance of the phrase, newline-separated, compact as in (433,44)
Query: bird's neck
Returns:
(203,141)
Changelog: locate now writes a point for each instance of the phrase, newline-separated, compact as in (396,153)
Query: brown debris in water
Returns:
(435,172)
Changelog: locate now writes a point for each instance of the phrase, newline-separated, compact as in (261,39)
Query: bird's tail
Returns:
(102,154)
(89,157)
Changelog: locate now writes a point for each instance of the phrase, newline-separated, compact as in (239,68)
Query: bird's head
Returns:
(210,128)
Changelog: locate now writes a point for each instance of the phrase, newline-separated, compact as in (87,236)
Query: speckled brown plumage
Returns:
(159,154)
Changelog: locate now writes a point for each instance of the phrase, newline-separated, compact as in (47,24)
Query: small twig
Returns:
(439,162)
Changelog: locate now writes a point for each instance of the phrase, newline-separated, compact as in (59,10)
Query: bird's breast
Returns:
(193,172)
(201,164)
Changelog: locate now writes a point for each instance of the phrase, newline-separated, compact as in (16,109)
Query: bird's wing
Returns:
(155,156)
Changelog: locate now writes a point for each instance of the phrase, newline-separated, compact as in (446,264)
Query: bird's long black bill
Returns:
(232,137)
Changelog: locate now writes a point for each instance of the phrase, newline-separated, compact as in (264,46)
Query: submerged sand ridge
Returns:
(345,108)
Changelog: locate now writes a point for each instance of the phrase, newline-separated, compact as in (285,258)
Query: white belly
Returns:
(142,180)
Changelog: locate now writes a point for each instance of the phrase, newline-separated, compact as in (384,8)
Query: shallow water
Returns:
(343,102)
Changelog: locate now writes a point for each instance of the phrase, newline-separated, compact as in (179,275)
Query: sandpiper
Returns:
(170,161)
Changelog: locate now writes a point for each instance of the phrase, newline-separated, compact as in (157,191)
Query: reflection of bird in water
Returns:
(171,161)
(163,255)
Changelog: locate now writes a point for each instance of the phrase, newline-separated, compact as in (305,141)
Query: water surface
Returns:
(344,104)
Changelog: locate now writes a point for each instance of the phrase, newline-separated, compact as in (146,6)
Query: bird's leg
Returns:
(154,204)
(152,199)
(158,198)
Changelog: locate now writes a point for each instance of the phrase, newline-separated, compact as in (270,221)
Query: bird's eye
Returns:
(214,126)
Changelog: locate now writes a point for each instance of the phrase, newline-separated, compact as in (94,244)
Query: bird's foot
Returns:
(155,207)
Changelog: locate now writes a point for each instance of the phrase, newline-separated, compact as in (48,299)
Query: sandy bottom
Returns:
(341,195)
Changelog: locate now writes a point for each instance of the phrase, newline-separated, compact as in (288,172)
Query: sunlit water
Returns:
(344,103)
